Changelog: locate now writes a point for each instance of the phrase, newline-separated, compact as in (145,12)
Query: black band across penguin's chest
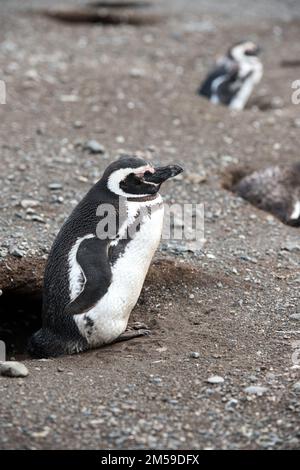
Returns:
(119,245)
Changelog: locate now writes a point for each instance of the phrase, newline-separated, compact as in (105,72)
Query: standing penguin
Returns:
(100,258)
(234,77)
(275,189)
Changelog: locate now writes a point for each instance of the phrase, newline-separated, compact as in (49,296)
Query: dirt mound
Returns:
(105,15)
(21,275)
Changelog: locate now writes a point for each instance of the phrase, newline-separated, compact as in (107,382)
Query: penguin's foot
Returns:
(137,326)
(130,334)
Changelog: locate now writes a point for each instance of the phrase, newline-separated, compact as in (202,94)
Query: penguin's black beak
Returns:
(162,173)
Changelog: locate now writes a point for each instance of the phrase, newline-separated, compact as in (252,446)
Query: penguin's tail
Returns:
(46,343)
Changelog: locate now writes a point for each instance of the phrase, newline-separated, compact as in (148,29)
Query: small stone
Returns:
(26,203)
(156,380)
(13,369)
(268,440)
(215,379)
(196,178)
(256,390)
(37,218)
(194,355)
(69,98)
(15,251)
(41,434)
(55,186)
(82,179)
(295,316)
(228,159)
(77,124)
(60,369)
(120,139)
(94,147)
(136,73)
(291,246)
(32,74)
(231,404)
(297,122)
(296,387)
(1,292)
(252,378)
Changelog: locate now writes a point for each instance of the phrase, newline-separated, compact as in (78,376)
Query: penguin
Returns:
(99,260)
(275,189)
(234,77)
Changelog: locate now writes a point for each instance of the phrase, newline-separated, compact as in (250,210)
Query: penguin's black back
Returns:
(225,90)
(56,291)
(206,87)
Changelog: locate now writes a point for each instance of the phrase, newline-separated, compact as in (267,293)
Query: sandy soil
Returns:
(234,303)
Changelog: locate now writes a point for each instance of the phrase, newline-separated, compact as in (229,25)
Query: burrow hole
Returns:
(106,13)
(119,4)
(233,175)
(20,316)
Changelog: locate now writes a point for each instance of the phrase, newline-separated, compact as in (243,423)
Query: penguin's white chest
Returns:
(255,71)
(109,317)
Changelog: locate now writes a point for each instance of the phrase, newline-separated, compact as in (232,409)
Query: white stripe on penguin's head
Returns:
(244,51)
(118,176)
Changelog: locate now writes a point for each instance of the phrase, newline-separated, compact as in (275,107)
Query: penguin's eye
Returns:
(135,178)
(147,173)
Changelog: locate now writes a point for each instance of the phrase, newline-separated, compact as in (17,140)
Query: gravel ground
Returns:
(231,310)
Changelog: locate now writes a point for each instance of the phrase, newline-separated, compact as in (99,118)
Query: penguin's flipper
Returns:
(206,87)
(93,260)
(223,72)
(230,84)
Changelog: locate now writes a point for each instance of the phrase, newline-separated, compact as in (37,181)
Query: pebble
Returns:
(231,404)
(253,378)
(94,147)
(55,186)
(296,387)
(268,440)
(13,369)
(69,98)
(37,218)
(196,178)
(78,124)
(194,355)
(120,139)
(291,246)
(215,379)
(15,251)
(156,380)
(256,390)
(26,203)
(40,434)
(136,73)
(296,122)
(295,316)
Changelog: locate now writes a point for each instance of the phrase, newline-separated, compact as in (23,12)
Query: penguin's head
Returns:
(133,177)
(244,50)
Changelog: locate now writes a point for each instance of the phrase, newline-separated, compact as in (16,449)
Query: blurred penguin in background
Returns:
(234,77)
(275,189)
